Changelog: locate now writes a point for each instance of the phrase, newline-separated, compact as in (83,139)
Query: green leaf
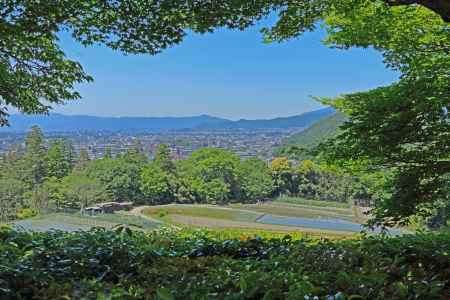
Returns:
(355,297)
(243,284)
(164,294)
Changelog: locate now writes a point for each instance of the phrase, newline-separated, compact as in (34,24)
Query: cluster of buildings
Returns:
(245,143)
(248,143)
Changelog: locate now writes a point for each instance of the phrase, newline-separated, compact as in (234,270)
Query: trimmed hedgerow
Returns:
(102,264)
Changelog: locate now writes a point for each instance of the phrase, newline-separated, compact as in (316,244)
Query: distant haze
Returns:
(64,123)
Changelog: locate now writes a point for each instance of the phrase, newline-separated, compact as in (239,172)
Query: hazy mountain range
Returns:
(65,123)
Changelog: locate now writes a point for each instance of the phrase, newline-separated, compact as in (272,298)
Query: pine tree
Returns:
(58,161)
(69,152)
(33,164)
(163,160)
(136,153)
(83,159)
(34,142)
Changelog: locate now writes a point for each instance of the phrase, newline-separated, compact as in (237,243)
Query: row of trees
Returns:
(217,176)
(43,177)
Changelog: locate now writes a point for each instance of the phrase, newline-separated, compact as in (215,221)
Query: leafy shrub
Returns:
(163,213)
(26,213)
(196,264)
(303,201)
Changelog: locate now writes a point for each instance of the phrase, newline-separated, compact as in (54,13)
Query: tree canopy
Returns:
(403,127)
(35,73)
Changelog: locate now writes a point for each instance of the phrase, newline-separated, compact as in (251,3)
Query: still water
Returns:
(325,224)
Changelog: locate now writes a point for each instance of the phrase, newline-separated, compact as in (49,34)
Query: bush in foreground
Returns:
(101,264)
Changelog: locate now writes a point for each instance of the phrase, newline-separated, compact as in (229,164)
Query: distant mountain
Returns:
(64,123)
(318,132)
(303,120)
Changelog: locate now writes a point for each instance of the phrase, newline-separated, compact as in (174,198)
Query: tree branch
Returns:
(441,7)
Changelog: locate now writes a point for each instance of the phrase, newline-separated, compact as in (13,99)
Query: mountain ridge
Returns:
(303,120)
(71,123)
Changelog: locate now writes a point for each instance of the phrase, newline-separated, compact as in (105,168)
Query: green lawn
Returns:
(162,212)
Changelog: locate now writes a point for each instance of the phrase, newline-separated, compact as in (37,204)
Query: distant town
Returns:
(244,142)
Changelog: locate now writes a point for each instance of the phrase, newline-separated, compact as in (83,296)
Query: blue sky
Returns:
(228,74)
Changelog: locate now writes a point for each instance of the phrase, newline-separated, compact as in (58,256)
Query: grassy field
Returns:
(73,222)
(249,233)
(232,217)
(222,213)
(302,211)
(246,216)
(218,225)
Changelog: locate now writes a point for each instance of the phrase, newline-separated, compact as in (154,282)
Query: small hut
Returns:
(109,207)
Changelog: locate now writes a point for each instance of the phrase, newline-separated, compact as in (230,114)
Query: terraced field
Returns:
(75,222)
(301,211)
(270,216)
(266,216)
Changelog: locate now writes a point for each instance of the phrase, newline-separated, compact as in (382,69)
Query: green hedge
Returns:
(319,203)
(102,264)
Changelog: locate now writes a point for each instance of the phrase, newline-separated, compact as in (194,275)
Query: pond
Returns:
(325,224)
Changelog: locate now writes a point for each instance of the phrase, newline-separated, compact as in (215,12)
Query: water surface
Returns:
(325,224)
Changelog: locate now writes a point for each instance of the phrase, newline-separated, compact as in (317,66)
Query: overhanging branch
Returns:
(441,7)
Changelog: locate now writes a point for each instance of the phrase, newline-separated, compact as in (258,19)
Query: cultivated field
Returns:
(277,216)
(75,222)
(327,220)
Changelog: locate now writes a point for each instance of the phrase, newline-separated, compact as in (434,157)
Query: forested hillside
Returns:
(318,132)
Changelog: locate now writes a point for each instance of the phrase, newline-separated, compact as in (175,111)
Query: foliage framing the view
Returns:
(33,67)
(403,127)
(195,264)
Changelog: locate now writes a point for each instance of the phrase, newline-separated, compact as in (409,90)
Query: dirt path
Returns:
(137,211)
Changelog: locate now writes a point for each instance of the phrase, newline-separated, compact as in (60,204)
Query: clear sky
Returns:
(228,74)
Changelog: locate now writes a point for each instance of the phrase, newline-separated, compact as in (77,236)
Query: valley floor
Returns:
(270,216)
(263,216)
